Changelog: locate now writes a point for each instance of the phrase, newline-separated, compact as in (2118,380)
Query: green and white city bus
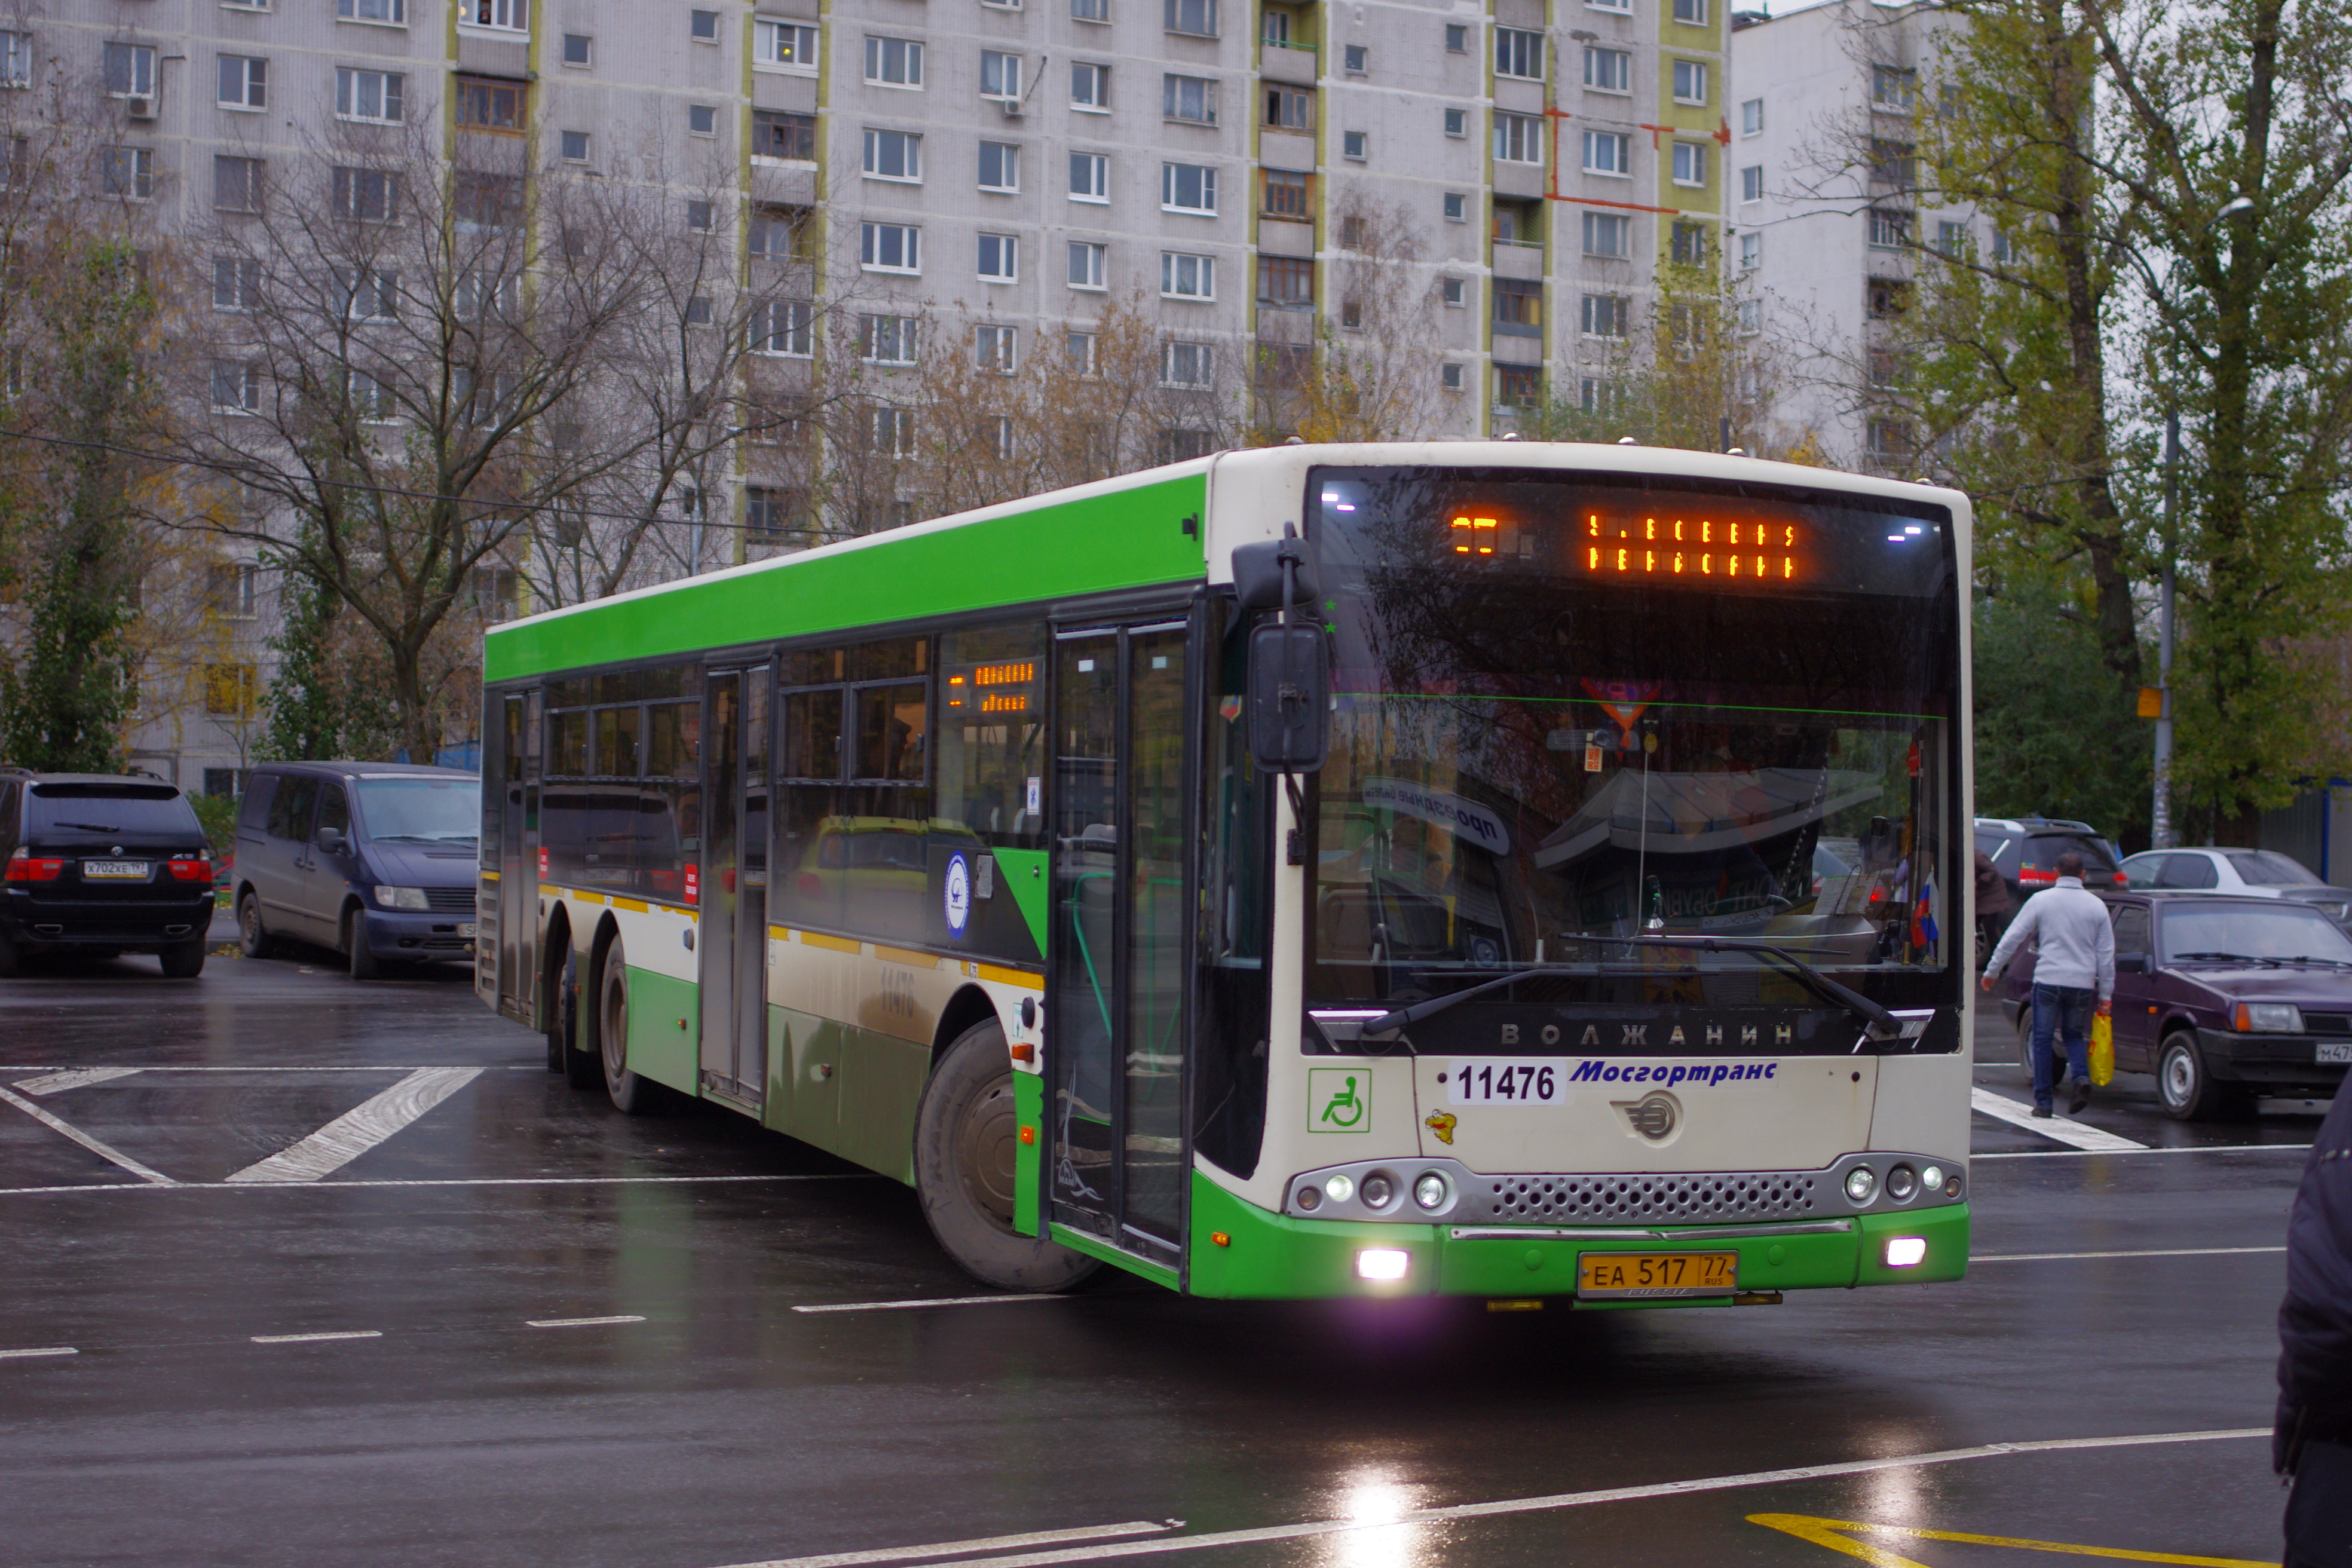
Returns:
(1506,870)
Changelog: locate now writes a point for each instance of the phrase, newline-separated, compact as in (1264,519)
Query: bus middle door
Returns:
(732,938)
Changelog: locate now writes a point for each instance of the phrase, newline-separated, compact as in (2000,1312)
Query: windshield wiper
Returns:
(1882,1023)
(88,827)
(2220,958)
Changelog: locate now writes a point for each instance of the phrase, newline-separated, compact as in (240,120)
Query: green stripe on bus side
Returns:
(1130,537)
(1028,1154)
(663,1033)
(1079,1241)
(1023,873)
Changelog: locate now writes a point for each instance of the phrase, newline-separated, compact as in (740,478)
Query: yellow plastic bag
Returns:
(2103,1050)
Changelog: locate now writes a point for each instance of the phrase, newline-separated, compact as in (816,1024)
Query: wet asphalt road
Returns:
(717,1425)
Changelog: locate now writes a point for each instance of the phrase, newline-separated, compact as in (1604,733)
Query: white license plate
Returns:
(113,870)
(2333,1051)
(1514,1081)
(465,929)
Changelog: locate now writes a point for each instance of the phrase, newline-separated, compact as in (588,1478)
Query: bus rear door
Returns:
(733,891)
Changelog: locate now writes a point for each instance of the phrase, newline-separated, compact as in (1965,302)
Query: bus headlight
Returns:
(1430,1191)
(1383,1264)
(1380,1187)
(1930,1179)
(1905,1251)
(1339,1187)
(1902,1184)
(1860,1183)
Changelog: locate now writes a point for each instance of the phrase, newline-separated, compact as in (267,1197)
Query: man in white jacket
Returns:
(2076,942)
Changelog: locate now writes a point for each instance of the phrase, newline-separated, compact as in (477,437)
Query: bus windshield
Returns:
(1571,710)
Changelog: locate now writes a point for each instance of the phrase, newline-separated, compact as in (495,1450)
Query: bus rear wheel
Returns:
(965,1138)
(633,1093)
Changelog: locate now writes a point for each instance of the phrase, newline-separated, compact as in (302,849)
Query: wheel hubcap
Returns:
(2179,1077)
(984,1149)
(615,1030)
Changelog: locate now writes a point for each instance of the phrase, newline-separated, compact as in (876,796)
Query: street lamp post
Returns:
(2161,818)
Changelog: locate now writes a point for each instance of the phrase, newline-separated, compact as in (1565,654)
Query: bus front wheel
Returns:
(633,1093)
(965,1132)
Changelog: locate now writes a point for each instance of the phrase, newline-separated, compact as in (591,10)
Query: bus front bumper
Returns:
(1269,1255)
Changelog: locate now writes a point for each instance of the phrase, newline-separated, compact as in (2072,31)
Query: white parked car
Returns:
(2263,873)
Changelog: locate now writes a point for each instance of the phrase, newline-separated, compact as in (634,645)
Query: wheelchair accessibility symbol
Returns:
(1338,1099)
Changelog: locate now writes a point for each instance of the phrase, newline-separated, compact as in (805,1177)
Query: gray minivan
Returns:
(375,860)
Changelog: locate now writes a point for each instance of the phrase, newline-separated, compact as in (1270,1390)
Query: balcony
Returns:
(1293,64)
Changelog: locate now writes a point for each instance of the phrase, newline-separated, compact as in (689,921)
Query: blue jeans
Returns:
(2059,1009)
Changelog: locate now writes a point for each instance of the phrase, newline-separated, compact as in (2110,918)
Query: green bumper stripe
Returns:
(1029,1116)
(665,1031)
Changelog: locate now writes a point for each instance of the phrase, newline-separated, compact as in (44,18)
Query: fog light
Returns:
(1952,1187)
(1382,1263)
(1310,1199)
(1340,1188)
(1905,1251)
(1430,1191)
(1931,1178)
(1379,1188)
(1860,1183)
(1902,1182)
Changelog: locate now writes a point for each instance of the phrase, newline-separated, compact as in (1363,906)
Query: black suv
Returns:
(99,864)
(2025,850)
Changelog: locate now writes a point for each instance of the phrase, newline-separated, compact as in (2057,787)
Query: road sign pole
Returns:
(2161,818)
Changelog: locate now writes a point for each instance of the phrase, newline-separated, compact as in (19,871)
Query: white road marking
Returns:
(2154,1149)
(74,1077)
(989,1543)
(116,1156)
(48,1350)
(360,1129)
(927,1301)
(2157,1252)
(582,1322)
(2089,1139)
(1532,1504)
(315,1339)
(453,1182)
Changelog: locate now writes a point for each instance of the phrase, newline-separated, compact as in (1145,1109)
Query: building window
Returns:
(1187,188)
(1457,38)
(1690,162)
(1187,277)
(784,327)
(237,283)
(1087,264)
(1197,18)
(1457,122)
(1608,234)
(1000,166)
(1286,282)
(1079,353)
(128,172)
(1457,207)
(891,432)
(506,16)
(1690,82)
(1889,439)
(232,690)
(244,82)
(783,46)
(999,74)
(886,340)
(1608,71)
(1752,117)
(889,247)
(479,295)
(1888,298)
(367,295)
(1184,363)
(1190,99)
(1889,230)
(700,216)
(1090,10)
(1604,316)
(701,120)
(894,155)
(767,515)
(994,348)
(375,96)
(999,258)
(486,105)
(1892,162)
(1951,239)
(1284,193)
(236,388)
(1518,386)
(1750,317)
(1449,376)
(1518,308)
(790,137)
(1608,153)
(1751,251)
(1289,109)
(486,201)
(579,49)
(1357,59)
(779,234)
(394,11)
(697,310)
(702,26)
(1518,53)
(1691,13)
(1355,145)
(1751,183)
(1090,88)
(1450,291)
(1518,138)
(129,71)
(1893,88)
(16,59)
(1885,368)
(372,399)
(1688,244)
(237,184)
(2003,251)
(894,62)
(1089,177)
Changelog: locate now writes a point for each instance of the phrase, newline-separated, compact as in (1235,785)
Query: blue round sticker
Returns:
(956,896)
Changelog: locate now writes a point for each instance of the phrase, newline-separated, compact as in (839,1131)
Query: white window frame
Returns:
(252,83)
(772,38)
(1449,375)
(1690,163)
(391,93)
(1005,67)
(1621,7)
(702,120)
(792,322)
(1201,176)
(1094,191)
(241,274)
(1174,267)
(1621,146)
(367,295)
(695,30)
(587,146)
(1889,229)
(587,42)
(911,159)
(355,179)
(1174,88)
(1172,17)
(1356,146)
(1457,124)
(1516,47)
(880,50)
(1089,266)
(142,57)
(139,162)
(1690,72)
(1006,248)
(15,59)
(1457,38)
(1089,87)
(1201,369)
(1356,60)
(1618,224)
(1597,60)
(388,13)
(247,402)
(1455,206)
(1751,118)
(1749,316)
(900,334)
(494,16)
(1008,168)
(1518,138)
(1453,293)
(1689,13)
(1604,317)
(1080,351)
(995,349)
(875,240)
(1096,12)
(1751,183)
(1905,82)
(1751,250)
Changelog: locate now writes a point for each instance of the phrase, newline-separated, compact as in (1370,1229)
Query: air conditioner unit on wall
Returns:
(138,108)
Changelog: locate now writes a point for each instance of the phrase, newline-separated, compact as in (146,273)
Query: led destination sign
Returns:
(992,688)
(1704,548)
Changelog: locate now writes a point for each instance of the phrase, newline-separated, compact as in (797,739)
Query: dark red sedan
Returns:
(2221,998)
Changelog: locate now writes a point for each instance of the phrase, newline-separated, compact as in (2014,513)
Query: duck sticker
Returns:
(1443,1125)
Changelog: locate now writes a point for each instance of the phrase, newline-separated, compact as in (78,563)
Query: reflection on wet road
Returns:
(450,1312)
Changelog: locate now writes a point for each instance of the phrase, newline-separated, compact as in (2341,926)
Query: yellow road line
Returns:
(1826,1532)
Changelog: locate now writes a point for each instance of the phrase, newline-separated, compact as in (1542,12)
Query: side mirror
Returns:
(1258,571)
(1289,699)
(2131,964)
(331,840)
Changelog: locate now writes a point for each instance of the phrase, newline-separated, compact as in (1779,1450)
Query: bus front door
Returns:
(734,886)
(1114,1021)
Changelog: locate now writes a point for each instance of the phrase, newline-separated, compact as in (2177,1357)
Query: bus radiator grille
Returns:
(1702,1198)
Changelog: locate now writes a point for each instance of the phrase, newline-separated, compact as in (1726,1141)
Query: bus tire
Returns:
(633,1093)
(965,1130)
(563,1014)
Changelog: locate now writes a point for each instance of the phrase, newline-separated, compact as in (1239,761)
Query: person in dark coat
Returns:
(1993,905)
(2313,1439)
